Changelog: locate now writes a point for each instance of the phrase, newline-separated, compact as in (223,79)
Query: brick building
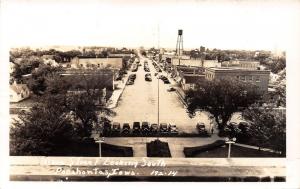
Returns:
(259,78)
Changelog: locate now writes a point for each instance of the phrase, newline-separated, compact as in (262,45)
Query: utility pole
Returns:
(157,102)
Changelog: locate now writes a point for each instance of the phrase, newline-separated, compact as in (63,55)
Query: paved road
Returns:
(139,102)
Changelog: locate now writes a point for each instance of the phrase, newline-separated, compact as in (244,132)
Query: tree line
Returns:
(222,98)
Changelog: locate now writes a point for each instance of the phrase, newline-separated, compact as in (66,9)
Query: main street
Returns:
(139,102)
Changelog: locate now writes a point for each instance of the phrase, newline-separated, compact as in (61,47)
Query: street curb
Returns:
(120,94)
(181,98)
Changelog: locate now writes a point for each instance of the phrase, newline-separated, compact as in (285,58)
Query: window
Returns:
(257,79)
(250,78)
(243,78)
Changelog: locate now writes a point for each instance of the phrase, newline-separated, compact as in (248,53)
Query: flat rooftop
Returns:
(235,69)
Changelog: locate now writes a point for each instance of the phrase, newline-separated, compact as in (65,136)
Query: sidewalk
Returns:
(256,148)
(113,100)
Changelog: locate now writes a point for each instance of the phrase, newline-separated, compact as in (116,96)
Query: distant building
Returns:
(106,75)
(51,62)
(188,76)
(251,65)
(243,64)
(259,78)
(196,62)
(18,92)
(120,55)
(96,63)
(189,81)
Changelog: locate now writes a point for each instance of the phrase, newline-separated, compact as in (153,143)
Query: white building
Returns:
(18,92)
(91,63)
(51,62)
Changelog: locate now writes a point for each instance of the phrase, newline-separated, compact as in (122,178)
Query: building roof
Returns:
(113,62)
(192,78)
(235,69)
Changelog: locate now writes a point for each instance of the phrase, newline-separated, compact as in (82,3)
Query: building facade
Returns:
(96,63)
(259,78)
(243,64)
(189,81)
(196,62)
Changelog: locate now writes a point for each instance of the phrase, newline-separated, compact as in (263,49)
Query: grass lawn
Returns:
(108,150)
(236,151)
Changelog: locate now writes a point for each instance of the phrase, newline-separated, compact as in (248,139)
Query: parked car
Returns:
(126,128)
(173,129)
(106,128)
(163,127)
(201,128)
(145,127)
(136,127)
(154,128)
(232,129)
(166,81)
(116,127)
(148,77)
(132,76)
(244,126)
(171,89)
(119,77)
(130,82)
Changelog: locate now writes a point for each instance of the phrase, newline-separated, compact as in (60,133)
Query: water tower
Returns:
(179,44)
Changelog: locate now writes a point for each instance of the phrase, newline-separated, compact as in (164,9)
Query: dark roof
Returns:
(191,78)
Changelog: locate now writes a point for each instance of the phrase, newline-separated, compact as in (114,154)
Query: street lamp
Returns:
(229,141)
(100,140)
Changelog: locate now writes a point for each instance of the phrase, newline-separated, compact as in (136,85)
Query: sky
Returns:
(228,25)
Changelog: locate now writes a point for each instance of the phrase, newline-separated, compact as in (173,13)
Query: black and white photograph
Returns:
(150,91)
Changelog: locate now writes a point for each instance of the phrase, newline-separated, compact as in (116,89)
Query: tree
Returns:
(83,102)
(86,102)
(267,127)
(221,98)
(37,82)
(85,109)
(279,65)
(143,52)
(44,130)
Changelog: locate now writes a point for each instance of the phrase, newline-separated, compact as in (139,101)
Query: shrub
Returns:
(109,150)
(158,149)
(192,151)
